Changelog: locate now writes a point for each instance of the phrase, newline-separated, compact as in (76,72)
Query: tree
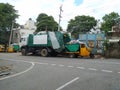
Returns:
(81,24)
(7,16)
(109,21)
(45,22)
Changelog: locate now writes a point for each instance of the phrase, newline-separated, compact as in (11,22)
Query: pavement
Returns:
(60,73)
(9,67)
(6,66)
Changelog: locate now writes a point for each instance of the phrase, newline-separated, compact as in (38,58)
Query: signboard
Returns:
(40,39)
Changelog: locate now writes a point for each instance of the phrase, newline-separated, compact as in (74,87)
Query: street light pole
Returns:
(60,17)
(10,38)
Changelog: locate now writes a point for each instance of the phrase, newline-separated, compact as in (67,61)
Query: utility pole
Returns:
(60,17)
(10,39)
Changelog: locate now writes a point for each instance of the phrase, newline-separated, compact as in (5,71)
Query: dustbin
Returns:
(16,48)
(10,49)
(0,49)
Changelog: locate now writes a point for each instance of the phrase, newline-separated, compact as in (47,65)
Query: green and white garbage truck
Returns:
(49,43)
(45,43)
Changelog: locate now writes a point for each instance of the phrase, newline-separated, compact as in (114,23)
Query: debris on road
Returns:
(5,70)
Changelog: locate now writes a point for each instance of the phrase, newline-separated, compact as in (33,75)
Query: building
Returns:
(30,25)
(17,33)
(113,42)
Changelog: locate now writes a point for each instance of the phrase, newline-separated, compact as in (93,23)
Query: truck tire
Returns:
(73,55)
(44,52)
(23,51)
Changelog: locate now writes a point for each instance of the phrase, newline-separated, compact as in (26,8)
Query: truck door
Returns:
(23,41)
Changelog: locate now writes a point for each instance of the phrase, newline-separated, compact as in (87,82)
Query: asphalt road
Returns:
(59,73)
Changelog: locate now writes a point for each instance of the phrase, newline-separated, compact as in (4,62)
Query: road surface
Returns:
(60,73)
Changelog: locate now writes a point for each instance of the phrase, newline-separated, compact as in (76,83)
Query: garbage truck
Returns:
(52,43)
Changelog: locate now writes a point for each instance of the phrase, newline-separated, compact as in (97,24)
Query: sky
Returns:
(71,8)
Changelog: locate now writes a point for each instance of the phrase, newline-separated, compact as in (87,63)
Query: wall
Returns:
(94,41)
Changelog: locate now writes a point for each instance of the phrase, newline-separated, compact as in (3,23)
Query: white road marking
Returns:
(61,65)
(70,66)
(41,63)
(68,83)
(107,62)
(118,72)
(80,67)
(14,75)
(18,60)
(106,71)
(92,69)
(53,64)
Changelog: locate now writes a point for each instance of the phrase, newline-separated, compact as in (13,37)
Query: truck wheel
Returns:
(44,52)
(24,52)
(73,56)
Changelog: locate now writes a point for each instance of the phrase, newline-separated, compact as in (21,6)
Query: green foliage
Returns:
(108,21)
(81,24)
(45,22)
(7,15)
